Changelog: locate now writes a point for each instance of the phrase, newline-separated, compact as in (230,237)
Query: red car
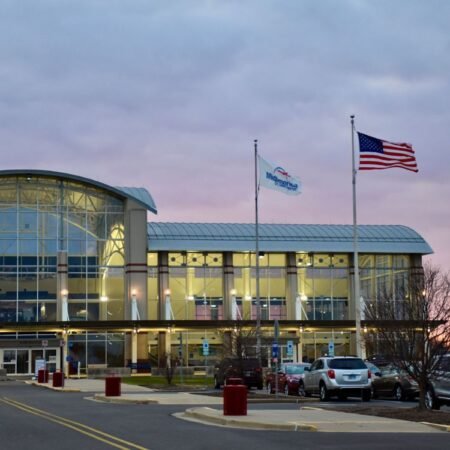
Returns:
(290,379)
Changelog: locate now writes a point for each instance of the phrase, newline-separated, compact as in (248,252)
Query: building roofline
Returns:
(124,193)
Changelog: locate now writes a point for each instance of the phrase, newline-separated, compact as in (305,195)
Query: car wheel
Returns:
(399,394)
(431,402)
(286,389)
(301,390)
(323,393)
(365,396)
(269,388)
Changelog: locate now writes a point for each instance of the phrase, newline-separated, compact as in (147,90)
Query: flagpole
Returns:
(258,300)
(356,287)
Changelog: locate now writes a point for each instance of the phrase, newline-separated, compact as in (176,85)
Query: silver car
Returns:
(340,376)
(438,389)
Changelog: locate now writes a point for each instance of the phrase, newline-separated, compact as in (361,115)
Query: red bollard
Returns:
(112,386)
(234,400)
(58,379)
(42,376)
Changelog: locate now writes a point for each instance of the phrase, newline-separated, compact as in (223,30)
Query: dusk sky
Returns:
(169,95)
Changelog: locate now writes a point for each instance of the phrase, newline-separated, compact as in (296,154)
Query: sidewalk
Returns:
(305,418)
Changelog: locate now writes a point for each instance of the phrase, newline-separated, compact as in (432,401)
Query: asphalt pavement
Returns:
(209,410)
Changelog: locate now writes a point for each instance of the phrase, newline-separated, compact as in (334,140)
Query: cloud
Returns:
(170,95)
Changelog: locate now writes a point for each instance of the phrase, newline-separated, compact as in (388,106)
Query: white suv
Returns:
(342,376)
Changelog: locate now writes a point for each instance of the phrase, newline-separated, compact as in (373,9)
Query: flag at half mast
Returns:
(378,154)
(277,178)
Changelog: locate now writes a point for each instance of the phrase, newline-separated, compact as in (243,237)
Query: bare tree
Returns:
(239,342)
(409,323)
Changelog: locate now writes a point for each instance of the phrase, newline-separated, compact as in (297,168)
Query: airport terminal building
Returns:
(87,276)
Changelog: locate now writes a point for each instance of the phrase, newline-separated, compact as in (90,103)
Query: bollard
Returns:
(42,376)
(112,386)
(58,379)
(235,400)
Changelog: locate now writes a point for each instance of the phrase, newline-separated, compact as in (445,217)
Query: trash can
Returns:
(42,376)
(112,386)
(58,379)
(235,400)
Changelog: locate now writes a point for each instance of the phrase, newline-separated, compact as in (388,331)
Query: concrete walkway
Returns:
(307,419)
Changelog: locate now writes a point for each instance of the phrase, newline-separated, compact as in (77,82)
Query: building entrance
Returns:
(22,361)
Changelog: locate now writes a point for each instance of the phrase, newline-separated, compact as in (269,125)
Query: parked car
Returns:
(394,382)
(438,390)
(374,370)
(290,379)
(248,369)
(342,376)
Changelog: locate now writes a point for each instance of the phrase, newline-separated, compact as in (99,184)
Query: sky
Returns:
(170,95)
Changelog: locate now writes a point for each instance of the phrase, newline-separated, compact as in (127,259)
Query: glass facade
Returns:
(324,286)
(45,222)
(62,245)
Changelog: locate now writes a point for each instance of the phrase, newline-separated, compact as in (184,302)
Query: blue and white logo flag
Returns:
(277,178)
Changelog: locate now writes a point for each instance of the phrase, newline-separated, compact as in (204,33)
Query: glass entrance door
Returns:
(49,354)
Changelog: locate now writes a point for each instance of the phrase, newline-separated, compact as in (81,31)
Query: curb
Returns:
(104,398)
(56,389)
(438,426)
(232,421)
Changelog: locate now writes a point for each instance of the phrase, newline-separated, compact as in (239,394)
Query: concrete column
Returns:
(136,271)
(291,285)
(162,349)
(136,277)
(228,284)
(62,294)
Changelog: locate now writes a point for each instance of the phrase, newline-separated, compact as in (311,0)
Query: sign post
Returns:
(331,348)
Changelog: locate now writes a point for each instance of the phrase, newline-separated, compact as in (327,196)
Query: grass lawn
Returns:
(161,381)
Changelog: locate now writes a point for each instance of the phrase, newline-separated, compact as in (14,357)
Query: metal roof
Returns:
(140,195)
(284,238)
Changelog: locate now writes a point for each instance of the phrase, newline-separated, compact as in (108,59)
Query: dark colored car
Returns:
(394,382)
(438,389)
(290,379)
(248,369)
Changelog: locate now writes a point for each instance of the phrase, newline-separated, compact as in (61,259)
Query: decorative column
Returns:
(136,275)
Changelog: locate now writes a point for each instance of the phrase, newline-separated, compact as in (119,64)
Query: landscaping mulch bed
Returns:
(411,414)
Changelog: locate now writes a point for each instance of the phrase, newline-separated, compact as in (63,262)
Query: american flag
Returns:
(378,154)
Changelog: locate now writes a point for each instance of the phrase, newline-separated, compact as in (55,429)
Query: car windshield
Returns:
(345,363)
(293,370)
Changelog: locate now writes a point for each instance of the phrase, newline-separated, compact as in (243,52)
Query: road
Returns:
(36,418)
